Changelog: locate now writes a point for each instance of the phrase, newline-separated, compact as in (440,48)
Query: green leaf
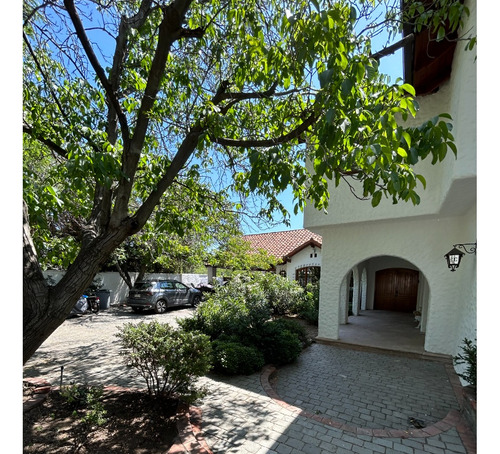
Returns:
(395,181)
(346,87)
(376,198)
(408,88)
(325,77)
(402,152)
(422,180)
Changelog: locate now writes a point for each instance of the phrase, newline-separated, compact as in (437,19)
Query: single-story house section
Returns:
(299,251)
(391,257)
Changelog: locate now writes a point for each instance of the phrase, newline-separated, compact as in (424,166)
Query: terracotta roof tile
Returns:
(284,244)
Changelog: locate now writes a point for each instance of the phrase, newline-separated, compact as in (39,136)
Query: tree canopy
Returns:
(126,100)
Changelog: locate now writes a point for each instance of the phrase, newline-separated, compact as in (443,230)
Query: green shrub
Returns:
(86,402)
(469,358)
(307,306)
(238,320)
(278,344)
(232,310)
(295,328)
(168,359)
(280,293)
(233,358)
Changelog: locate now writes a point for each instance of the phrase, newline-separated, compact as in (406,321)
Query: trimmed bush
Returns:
(167,358)
(233,358)
(278,344)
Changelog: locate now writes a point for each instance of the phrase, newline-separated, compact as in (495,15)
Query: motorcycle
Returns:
(86,304)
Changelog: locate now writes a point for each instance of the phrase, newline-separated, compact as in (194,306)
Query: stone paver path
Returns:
(332,400)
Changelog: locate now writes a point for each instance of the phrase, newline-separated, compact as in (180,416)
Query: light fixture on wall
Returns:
(454,257)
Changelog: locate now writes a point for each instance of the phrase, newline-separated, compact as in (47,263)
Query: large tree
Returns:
(126,98)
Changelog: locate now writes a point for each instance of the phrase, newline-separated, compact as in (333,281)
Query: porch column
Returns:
(329,293)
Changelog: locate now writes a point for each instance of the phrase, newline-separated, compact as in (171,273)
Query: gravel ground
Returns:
(87,350)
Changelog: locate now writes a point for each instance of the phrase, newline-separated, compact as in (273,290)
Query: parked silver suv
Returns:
(160,295)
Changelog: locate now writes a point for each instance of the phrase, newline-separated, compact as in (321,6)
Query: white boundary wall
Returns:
(119,289)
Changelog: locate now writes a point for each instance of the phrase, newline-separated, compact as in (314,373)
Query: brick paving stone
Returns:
(295,443)
(283,449)
(455,448)
(351,400)
(429,449)
(413,444)
(361,450)
(399,448)
(377,448)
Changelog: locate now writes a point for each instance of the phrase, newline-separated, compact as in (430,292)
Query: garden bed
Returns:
(134,424)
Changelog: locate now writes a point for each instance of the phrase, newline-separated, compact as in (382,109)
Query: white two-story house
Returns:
(391,258)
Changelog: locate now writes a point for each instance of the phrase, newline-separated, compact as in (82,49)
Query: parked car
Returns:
(160,295)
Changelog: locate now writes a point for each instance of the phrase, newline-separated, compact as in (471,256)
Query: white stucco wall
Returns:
(422,243)
(357,236)
(118,287)
(300,260)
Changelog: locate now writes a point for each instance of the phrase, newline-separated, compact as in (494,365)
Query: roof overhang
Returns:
(427,63)
(312,242)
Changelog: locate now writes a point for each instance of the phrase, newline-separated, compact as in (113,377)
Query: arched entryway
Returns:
(388,291)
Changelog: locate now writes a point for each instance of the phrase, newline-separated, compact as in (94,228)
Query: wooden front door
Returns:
(396,290)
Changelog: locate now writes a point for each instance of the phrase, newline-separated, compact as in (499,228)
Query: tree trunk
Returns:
(44,308)
(142,273)
(124,274)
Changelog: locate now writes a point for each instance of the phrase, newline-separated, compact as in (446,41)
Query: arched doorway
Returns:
(396,289)
(388,289)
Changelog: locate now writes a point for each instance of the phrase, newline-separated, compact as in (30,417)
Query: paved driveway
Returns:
(332,400)
(88,350)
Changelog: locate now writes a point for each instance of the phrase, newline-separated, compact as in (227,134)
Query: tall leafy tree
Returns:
(129,97)
(183,232)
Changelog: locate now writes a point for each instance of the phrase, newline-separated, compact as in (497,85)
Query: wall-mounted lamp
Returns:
(454,257)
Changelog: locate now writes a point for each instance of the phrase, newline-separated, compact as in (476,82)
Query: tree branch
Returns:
(192,33)
(49,143)
(256,143)
(45,78)
(29,15)
(393,48)
(101,211)
(185,151)
(169,31)
(244,96)
(82,36)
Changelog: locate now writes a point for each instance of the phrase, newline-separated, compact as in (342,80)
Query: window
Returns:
(308,275)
